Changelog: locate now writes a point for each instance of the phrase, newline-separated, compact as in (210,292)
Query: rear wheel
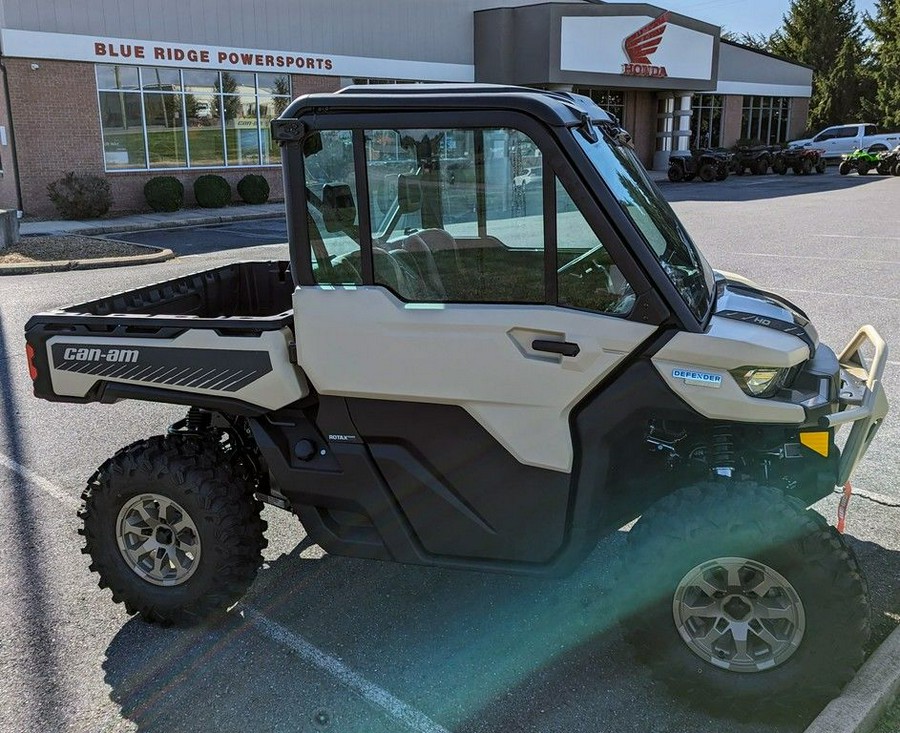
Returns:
(845,167)
(779,166)
(707,173)
(821,165)
(806,167)
(862,168)
(896,169)
(761,167)
(884,168)
(172,529)
(744,599)
(721,172)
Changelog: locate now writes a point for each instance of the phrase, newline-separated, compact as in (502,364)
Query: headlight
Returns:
(759,381)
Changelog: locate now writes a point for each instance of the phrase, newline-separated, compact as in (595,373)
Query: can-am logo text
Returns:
(111,356)
(641,45)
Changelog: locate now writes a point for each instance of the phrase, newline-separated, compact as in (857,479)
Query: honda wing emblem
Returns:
(641,45)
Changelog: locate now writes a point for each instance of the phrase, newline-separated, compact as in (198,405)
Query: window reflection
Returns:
(161,117)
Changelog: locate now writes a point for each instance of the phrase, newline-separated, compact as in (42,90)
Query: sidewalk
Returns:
(154,220)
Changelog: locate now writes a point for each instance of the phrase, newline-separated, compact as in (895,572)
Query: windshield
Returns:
(670,243)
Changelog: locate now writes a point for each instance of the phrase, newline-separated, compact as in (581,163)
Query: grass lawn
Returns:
(890,722)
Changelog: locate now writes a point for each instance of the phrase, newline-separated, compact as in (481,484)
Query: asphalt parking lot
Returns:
(334,644)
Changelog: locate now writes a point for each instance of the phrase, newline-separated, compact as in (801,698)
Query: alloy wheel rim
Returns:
(158,539)
(739,614)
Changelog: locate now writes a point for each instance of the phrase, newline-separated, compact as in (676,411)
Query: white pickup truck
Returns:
(842,139)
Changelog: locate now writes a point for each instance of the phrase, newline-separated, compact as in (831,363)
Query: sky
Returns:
(742,16)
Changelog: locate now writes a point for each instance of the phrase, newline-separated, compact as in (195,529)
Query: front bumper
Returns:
(862,402)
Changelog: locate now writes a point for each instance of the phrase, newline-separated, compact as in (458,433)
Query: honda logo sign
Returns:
(641,45)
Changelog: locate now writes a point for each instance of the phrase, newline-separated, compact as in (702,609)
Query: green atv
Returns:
(862,161)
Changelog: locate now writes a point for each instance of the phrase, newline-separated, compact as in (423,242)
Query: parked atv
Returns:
(889,162)
(861,161)
(756,159)
(802,161)
(706,164)
(469,386)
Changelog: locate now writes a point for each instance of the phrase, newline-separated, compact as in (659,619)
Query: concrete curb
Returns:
(32,268)
(859,707)
(173,223)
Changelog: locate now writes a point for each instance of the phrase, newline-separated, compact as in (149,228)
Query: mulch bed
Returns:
(67,247)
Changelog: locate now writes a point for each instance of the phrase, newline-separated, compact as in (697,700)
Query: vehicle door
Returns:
(825,140)
(848,139)
(463,305)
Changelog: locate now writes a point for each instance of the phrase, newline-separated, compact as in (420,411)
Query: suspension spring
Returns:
(196,422)
(722,453)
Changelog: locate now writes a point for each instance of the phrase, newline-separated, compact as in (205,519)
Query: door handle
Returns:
(564,348)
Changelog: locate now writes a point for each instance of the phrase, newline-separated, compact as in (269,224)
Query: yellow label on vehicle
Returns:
(818,441)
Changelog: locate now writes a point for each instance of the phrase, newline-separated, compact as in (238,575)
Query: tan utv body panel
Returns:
(729,344)
(365,342)
(279,387)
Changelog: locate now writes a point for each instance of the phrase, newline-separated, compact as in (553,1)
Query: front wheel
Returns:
(761,167)
(744,599)
(676,173)
(174,531)
(779,166)
(722,172)
(707,173)
(821,166)
(862,168)
(896,169)
(845,167)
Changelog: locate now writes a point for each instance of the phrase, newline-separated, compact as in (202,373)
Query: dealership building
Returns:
(132,89)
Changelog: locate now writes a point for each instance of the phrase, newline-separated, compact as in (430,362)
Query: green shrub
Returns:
(253,189)
(164,193)
(212,192)
(80,196)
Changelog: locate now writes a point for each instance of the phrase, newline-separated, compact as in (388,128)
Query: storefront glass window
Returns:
(609,100)
(123,130)
(706,121)
(241,129)
(117,77)
(766,119)
(164,122)
(188,119)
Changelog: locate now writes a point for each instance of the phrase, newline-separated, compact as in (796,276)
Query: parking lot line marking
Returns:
(857,236)
(46,486)
(813,257)
(841,295)
(371,692)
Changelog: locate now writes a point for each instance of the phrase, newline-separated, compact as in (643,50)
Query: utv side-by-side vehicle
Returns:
(462,368)
(802,161)
(708,165)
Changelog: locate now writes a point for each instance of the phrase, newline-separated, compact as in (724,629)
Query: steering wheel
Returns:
(587,267)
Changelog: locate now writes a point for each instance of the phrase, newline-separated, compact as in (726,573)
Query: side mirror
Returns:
(409,193)
(338,208)
(312,144)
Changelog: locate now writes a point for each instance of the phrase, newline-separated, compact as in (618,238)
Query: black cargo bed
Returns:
(244,296)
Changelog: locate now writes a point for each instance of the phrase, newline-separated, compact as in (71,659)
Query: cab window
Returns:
(333,216)
(457,214)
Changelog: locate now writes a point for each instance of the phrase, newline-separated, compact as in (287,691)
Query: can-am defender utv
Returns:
(462,368)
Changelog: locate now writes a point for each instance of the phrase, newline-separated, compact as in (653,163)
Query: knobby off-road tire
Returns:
(676,173)
(707,173)
(845,167)
(177,493)
(779,166)
(754,530)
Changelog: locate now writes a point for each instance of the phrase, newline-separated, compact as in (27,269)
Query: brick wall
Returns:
(311,83)
(58,130)
(799,113)
(8,195)
(732,115)
(57,125)
(640,120)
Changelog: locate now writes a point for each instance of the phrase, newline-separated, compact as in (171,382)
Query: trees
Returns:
(883,103)
(826,35)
